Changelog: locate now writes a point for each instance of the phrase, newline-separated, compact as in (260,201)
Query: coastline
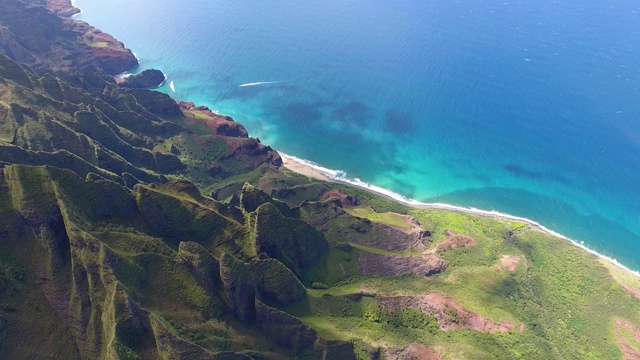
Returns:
(368,282)
(318,172)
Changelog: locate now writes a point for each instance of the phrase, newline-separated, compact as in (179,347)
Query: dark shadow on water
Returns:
(403,187)
(397,168)
(299,113)
(353,112)
(398,123)
(520,171)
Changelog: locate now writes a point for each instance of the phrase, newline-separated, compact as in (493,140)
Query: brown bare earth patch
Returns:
(487,280)
(629,351)
(372,264)
(411,352)
(633,291)
(454,241)
(449,314)
(509,262)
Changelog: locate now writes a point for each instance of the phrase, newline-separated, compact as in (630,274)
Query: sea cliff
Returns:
(138,227)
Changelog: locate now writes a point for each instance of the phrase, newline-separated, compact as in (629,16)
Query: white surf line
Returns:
(259,83)
(173,88)
(339,176)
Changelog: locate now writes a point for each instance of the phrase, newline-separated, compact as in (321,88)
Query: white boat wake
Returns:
(173,88)
(260,83)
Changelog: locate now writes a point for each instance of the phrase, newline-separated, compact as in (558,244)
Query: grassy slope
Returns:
(565,298)
(567,301)
(390,219)
(119,255)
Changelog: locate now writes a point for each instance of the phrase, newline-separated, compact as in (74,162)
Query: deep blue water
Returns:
(529,108)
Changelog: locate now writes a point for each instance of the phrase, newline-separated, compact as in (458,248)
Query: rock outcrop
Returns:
(62,8)
(372,264)
(345,200)
(145,80)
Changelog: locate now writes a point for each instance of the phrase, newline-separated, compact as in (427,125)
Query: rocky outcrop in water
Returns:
(145,80)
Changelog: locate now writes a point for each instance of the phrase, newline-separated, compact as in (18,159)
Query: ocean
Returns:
(527,108)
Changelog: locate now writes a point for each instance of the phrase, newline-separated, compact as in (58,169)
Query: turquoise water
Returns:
(529,108)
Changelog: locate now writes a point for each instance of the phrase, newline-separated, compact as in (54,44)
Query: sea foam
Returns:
(341,177)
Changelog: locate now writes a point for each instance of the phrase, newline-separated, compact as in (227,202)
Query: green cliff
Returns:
(137,227)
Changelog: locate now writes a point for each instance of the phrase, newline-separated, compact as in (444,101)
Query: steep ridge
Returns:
(98,218)
(34,35)
(117,282)
(137,227)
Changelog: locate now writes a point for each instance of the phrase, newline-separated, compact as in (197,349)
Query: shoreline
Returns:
(318,172)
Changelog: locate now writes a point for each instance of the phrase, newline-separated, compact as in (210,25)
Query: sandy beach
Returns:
(299,167)
(317,172)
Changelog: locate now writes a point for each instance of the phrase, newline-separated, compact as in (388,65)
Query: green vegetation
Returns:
(111,247)
(99,44)
(387,218)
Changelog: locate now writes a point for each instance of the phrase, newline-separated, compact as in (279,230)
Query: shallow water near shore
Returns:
(526,108)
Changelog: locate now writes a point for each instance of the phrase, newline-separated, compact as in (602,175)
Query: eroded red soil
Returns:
(629,351)
(633,291)
(509,262)
(411,352)
(455,241)
(449,314)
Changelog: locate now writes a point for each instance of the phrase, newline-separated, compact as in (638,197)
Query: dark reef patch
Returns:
(354,112)
(299,113)
(398,123)
(520,171)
